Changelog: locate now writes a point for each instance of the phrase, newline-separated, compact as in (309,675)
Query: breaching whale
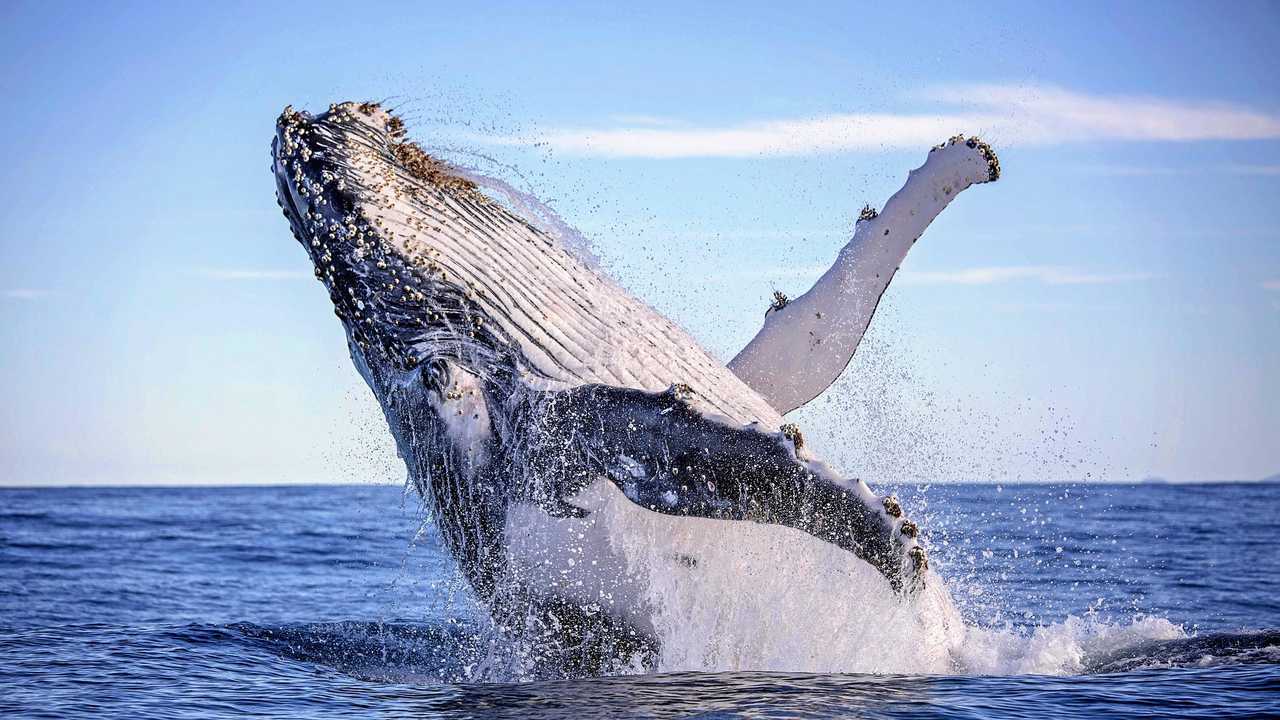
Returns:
(541,410)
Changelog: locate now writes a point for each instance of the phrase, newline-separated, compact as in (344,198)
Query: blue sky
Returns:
(1109,310)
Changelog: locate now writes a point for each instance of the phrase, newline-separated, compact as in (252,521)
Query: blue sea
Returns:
(1138,600)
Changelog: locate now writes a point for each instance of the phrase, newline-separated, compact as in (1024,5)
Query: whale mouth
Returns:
(399,301)
(314,161)
(569,377)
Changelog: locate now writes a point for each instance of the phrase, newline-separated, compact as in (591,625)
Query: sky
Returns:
(1109,310)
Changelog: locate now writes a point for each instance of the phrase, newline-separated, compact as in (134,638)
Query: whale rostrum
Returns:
(522,385)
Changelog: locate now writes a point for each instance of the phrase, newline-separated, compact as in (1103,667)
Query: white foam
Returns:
(1057,649)
(762,604)
(724,596)
(728,595)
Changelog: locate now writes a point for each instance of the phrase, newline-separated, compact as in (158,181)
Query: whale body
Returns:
(586,460)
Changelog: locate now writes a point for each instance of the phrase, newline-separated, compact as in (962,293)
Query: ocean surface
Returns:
(1100,601)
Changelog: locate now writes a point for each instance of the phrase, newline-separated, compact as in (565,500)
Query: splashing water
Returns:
(524,203)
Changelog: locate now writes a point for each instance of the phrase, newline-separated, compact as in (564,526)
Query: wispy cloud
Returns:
(1155,170)
(1132,170)
(1009,115)
(1271,284)
(1052,114)
(652,120)
(1254,169)
(25,294)
(240,274)
(831,133)
(1047,274)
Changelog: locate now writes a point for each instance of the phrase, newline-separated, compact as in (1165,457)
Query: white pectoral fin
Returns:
(806,343)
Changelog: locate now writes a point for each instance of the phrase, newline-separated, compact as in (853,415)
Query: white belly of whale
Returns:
(696,584)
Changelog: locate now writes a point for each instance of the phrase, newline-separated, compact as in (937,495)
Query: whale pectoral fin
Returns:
(667,457)
(806,343)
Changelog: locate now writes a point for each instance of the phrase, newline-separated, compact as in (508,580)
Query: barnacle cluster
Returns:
(791,431)
(976,143)
(780,300)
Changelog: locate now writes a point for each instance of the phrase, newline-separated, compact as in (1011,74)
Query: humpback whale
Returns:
(545,414)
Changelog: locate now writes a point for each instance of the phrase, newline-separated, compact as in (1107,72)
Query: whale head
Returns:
(340,183)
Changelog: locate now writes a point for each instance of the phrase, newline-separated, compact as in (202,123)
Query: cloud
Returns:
(1153,170)
(25,294)
(1047,274)
(1052,114)
(832,133)
(1254,169)
(653,120)
(256,274)
(1271,284)
(1133,170)
(1007,115)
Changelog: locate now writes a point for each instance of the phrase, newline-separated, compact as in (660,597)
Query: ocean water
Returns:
(1092,601)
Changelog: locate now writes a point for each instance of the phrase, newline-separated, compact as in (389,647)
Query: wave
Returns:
(1202,651)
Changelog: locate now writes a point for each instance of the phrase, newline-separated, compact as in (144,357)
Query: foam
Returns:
(731,596)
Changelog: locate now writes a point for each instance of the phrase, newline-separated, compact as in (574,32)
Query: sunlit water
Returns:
(1098,600)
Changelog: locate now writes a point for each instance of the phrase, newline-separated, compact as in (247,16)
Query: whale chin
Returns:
(579,450)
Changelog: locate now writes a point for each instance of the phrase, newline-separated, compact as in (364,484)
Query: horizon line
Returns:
(1272,479)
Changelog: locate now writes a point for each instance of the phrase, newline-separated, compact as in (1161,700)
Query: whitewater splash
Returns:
(391,652)
(616,497)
